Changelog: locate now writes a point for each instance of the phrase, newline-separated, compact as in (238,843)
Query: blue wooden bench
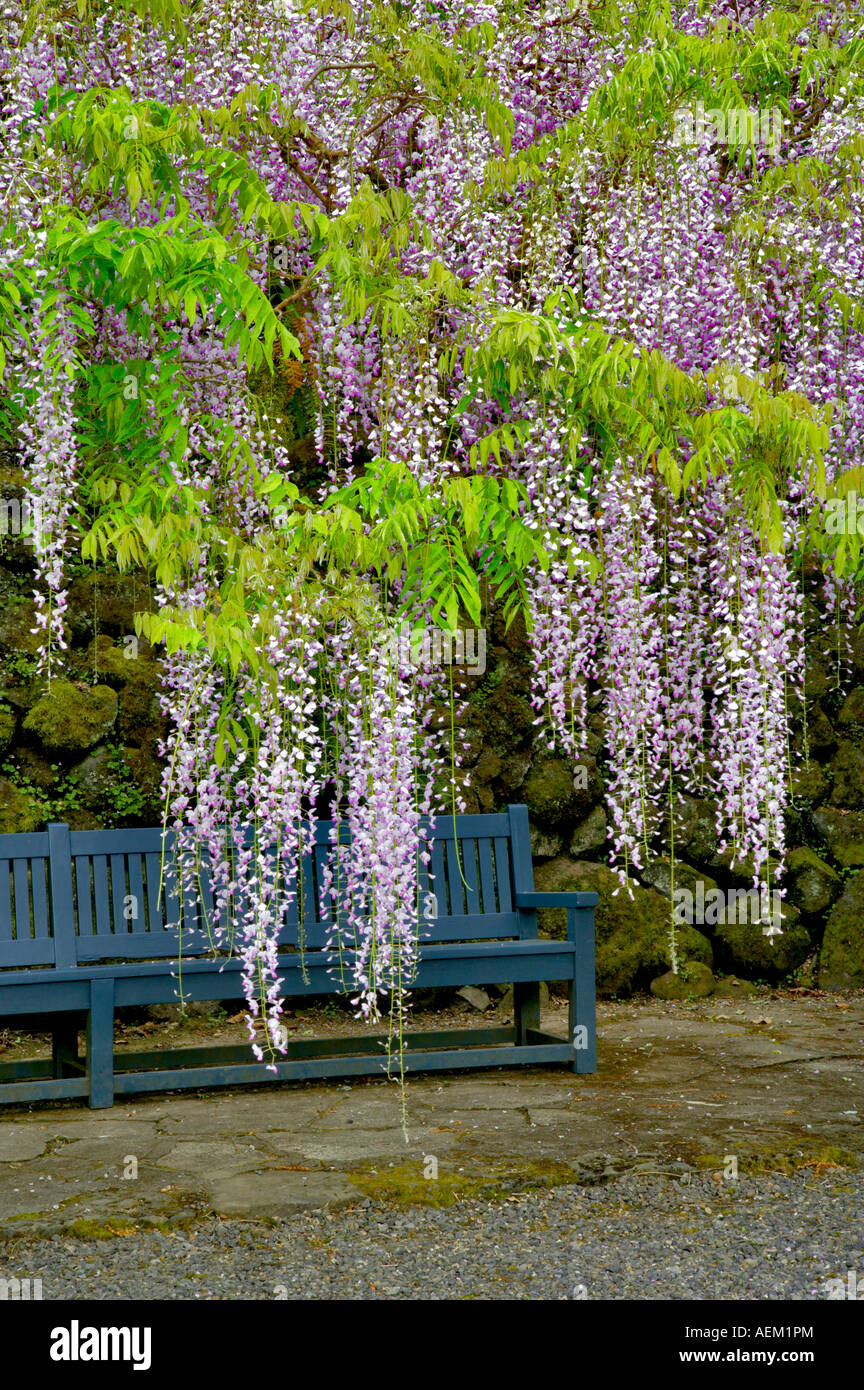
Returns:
(84,931)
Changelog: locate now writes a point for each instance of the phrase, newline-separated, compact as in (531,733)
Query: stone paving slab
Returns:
(20,1142)
(193,1156)
(678,1085)
(276,1195)
(105,1125)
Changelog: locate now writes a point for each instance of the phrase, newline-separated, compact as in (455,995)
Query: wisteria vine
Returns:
(468,246)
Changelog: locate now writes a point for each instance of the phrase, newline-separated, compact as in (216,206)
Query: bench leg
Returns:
(526,1008)
(64,1048)
(100,1044)
(583,1021)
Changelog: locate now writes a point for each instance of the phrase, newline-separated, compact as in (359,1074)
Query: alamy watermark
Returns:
(694,126)
(20,518)
(839,1289)
(77,1343)
(421,648)
(844,516)
(18,1290)
(737,905)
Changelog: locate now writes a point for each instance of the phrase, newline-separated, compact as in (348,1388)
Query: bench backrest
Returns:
(95,894)
(26,924)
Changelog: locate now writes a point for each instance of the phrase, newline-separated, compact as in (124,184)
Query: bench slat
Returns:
(83,896)
(502,874)
(41,915)
(190,906)
(487,876)
(118,892)
(142,946)
(318,1068)
(292,916)
(100,893)
(152,872)
(170,894)
(325,905)
(439,881)
(30,846)
(239,908)
(454,827)
(497,926)
(22,899)
(424,889)
(138,915)
(307,890)
(23,953)
(6,933)
(453,855)
(62,887)
(210,923)
(469,868)
(149,839)
(522,865)
(105,842)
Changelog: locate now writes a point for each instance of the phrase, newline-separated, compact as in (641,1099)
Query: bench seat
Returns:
(82,933)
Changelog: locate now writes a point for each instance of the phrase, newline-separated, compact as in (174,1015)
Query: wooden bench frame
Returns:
(61,916)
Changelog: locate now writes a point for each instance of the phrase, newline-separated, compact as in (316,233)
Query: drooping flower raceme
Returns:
(48,436)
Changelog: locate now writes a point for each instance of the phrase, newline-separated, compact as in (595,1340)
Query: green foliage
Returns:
(383,524)
(122,794)
(134,417)
(640,403)
(140,268)
(125,795)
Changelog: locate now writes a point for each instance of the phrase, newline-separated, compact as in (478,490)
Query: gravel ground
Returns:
(767,1237)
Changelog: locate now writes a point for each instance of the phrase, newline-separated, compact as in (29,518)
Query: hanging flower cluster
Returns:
(48,439)
(632,667)
(564,599)
(374,883)
(758,650)
(280,776)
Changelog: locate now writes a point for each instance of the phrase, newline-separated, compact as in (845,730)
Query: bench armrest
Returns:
(528,901)
(579,908)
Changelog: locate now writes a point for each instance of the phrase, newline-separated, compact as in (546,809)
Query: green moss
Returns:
(87,1229)
(748,946)
(851,717)
(813,884)
(68,718)
(632,933)
(7,727)
(693,981)
(506,720)
(781,1158)
(405,1185)
(551,795)
(20,812)
(110,664)
(17,621)
(843,833)
(841,960)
